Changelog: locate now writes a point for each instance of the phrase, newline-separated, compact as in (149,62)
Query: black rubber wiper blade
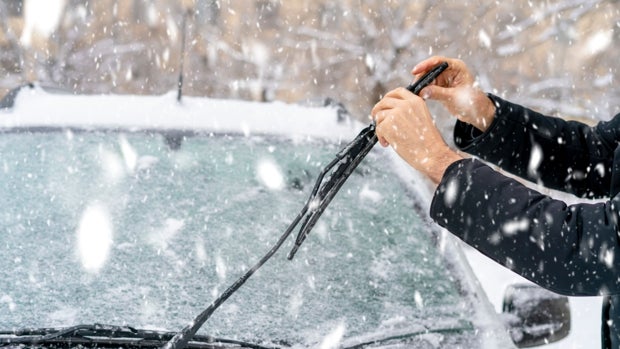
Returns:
(324,191)
(101,335)
(347,160)
(407,336)
(427,79)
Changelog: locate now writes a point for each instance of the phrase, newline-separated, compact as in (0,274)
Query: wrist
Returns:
(487,113)
(439,163)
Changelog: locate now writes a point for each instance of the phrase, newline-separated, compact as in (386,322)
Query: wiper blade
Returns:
(323,192)
(407,336)
(101,335)
(347,160)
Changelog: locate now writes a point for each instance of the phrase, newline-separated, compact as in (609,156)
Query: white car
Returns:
(585,312)
(123,217)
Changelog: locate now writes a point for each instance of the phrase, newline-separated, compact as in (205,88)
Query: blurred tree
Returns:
(556,56)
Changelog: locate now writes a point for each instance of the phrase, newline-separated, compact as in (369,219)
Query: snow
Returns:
(451,193)
(41,17)
(8,300)
(484,38)
(608,258)
(94,237)
(367,193)
(599,42)
(417,297)
(270,174)
(536,158)
(129,154)
(111,165)
(511,228)
(295,302)
(163,237)
(220,268)
(333,339)
(36,107)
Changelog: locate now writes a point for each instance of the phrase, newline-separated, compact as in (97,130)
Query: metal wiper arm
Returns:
(113,336)
(322,193)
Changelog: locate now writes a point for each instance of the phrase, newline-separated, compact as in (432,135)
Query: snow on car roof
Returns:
(34,107)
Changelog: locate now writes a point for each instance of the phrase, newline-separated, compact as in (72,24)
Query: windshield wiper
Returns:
(323,192)
(100,335)
(346,160)
(407,336)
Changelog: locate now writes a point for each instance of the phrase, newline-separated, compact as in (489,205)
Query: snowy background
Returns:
(555,56)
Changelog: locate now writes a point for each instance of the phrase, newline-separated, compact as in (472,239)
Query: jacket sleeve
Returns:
(564,155)
(572,250)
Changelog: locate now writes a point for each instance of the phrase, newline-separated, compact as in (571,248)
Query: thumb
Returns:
(437,93)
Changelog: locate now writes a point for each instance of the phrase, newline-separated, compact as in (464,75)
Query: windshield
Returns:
(145,230)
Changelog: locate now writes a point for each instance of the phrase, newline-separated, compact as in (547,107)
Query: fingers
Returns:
(397,104)
(436,92)
(379,132)
(428,64)
(380,113)
(455,75)
(393,100)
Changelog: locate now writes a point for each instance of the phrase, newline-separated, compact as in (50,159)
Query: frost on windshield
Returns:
(155,245)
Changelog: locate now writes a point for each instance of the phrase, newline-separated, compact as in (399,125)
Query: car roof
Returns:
(34,107)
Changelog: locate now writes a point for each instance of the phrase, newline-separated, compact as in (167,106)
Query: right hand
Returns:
(455,88)
(404,122)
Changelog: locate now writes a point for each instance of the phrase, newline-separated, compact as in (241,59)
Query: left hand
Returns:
(404,122)
(456,89)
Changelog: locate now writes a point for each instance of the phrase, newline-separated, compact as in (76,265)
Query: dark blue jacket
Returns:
(570,249)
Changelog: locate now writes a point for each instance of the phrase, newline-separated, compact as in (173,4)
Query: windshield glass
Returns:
(144,230)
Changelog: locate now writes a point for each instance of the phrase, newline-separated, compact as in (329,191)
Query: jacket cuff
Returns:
(468,138)
(447,195)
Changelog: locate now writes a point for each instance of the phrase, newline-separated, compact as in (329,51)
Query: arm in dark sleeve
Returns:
(571,250)
(559,154)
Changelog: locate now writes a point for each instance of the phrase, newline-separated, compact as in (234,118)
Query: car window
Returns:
(123,228)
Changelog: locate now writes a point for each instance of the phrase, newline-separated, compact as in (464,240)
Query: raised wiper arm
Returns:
(100,335)
(347,160)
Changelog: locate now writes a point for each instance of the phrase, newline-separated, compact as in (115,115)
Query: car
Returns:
(124,217)
(583,317)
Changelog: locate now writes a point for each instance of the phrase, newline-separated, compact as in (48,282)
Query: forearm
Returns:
(434,164)
(559,154)
(568,249)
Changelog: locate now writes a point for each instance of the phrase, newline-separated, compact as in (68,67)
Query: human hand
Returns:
(455,88)
(404,122)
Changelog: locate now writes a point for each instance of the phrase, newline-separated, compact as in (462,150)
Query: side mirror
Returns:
(535,316)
